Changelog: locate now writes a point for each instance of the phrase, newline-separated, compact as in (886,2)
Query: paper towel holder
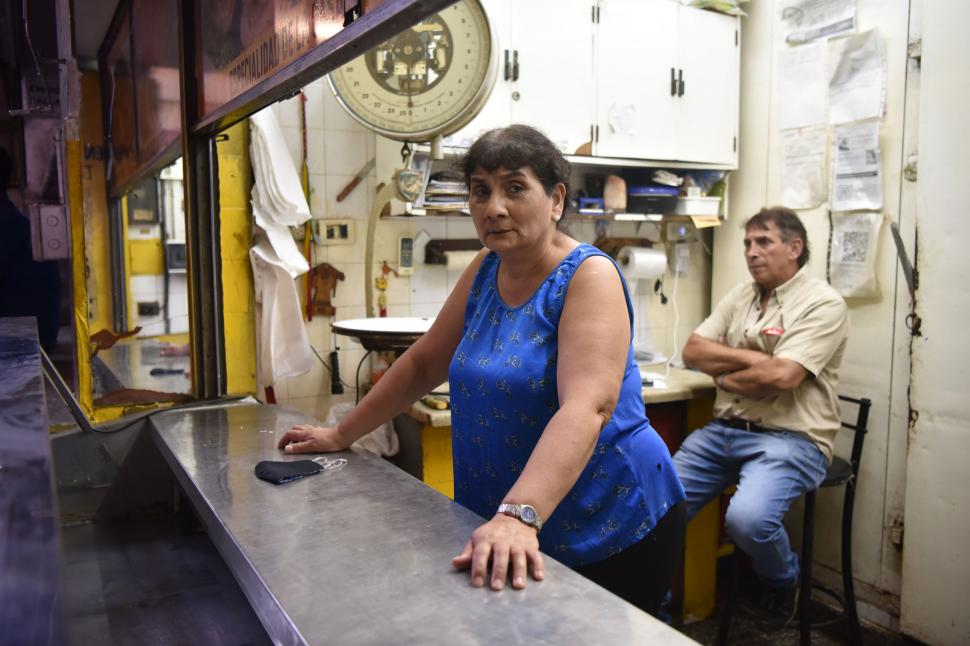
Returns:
(434,250)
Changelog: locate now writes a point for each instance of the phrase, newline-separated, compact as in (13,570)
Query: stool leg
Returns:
(724,626)
(805,593)
(848,587)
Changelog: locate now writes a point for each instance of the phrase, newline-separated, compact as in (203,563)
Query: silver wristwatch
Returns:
(525,513)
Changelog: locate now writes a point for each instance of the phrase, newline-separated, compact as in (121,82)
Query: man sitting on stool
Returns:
(774,348)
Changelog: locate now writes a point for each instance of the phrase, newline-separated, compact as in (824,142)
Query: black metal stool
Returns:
(839,472)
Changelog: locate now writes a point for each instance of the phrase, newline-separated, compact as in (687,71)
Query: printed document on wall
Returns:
(857,81)
(805,20)
(856,167)
(852,261)
(803,177)
(803,86)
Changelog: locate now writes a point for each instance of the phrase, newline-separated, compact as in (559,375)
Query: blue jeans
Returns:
(771,470)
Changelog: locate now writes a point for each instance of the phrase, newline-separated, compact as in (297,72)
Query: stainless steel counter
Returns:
(30,610)
(362,555)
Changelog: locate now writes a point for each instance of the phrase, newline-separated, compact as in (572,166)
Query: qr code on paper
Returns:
(855,245)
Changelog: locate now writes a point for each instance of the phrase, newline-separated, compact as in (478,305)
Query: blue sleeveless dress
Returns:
(504,392)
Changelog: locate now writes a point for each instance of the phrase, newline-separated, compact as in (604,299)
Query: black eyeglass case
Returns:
(283,472)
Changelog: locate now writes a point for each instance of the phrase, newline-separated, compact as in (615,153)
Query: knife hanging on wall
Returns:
(352,184)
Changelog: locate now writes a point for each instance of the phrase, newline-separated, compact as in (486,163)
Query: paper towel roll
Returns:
(458,260)
(641,262)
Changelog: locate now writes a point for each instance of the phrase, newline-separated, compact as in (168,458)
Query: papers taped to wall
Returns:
(803,86)
(856,167)
(852,262)
(806,20)
(857,78)
(804,182)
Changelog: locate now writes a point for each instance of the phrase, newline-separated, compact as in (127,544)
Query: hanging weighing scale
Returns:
(426,82)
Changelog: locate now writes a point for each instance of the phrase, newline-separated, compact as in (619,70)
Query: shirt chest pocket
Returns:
(770,332)
(764,335)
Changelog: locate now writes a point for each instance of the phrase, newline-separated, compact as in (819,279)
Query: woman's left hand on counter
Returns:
(512,547)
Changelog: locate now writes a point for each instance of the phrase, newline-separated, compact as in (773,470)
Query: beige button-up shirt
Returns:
(805,320)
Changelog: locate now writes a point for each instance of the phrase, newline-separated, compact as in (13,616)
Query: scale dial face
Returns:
(428,80)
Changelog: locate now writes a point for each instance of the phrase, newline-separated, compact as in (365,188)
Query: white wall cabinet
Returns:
(637,79)
(635,50)
(545,72)
(667,82)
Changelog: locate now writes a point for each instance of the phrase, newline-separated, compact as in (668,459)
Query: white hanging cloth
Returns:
(276,177)
(284,349)
(278,202)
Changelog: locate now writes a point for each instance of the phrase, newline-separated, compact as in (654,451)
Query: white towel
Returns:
(277,180)
(278,202)
(284,349)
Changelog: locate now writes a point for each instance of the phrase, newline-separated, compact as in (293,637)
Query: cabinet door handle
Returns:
(673,82)
(508,66)
(515,65)
(680,82)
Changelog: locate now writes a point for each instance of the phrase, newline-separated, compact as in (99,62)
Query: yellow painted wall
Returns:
(96,254)
(146,257)
(235,225)
(90,253)
(91,263)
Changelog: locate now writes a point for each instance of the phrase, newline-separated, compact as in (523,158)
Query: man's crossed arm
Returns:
(745,372)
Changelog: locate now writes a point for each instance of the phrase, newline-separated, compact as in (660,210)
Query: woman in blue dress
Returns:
(550,441)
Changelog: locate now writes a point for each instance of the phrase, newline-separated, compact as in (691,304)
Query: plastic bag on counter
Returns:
(381,441)
(852,260)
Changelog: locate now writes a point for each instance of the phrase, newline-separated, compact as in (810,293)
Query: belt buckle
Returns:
(749,426)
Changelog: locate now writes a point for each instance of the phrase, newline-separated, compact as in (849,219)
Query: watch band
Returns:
(524,513)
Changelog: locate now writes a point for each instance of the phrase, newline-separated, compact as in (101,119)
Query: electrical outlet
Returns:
(148,308)
(50,239)
(331,232)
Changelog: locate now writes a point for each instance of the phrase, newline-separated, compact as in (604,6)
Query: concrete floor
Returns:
(154,580)
(746,628)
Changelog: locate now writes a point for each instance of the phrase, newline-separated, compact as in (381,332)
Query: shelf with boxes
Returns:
(692,192)
(648,193)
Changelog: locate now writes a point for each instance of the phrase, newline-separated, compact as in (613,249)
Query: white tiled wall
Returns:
(337,148)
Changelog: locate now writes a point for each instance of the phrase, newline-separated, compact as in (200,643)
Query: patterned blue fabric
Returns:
(504,392)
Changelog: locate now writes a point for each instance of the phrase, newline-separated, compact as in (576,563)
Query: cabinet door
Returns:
(635,56)
(552,86)
(708,54)
(496,112)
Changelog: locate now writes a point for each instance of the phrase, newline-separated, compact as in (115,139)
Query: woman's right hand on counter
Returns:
(304,438)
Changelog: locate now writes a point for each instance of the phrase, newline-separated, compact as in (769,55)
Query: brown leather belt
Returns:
(744,425)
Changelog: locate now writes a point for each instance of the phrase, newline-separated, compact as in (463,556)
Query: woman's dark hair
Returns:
(788,223)
(518,146)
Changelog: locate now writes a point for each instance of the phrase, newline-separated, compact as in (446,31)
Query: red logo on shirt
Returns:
(772,331)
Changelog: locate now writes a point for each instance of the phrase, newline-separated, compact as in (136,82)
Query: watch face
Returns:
(428,80)
(528,514)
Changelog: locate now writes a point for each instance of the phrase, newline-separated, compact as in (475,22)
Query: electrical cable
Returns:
(33,54)
(327,366)
(673,297)
(357,378)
